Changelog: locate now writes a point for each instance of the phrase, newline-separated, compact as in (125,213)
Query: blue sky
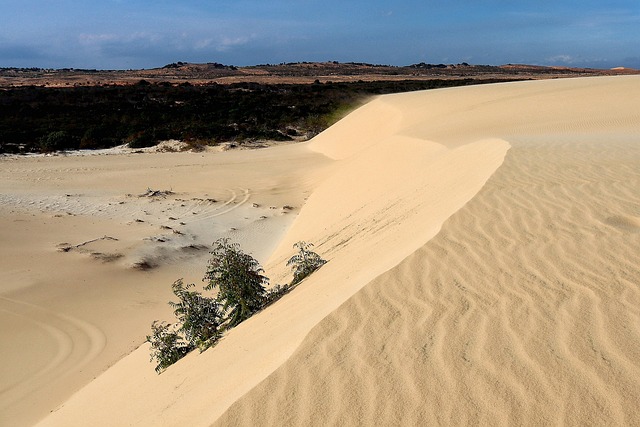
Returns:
(121,34)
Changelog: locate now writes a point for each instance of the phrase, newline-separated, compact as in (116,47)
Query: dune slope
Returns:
(524,310)
(527,296)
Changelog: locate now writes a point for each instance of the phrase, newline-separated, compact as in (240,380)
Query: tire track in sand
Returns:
(75,343)
(222,209)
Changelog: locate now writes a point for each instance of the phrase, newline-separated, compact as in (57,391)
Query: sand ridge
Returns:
(523,310)
(459,288)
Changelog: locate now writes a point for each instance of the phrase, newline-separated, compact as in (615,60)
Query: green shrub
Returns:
(96,137)
(199,316)
(238,279)
(240,284)
(198,326)
(275,293)
(304,262)
(167,346)
(55,141)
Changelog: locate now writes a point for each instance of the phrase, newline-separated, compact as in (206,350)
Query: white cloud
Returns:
(564,59)
(107,38)
(226,43)
(96,38)
(219,44)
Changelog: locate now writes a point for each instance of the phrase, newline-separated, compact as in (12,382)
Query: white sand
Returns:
(483,268)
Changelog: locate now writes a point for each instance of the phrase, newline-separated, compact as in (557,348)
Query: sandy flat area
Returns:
(483,269)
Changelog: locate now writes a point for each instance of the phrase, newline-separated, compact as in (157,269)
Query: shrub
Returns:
(96,137)
(304,262)
(275,293)
(55,141)
(167,346)
(199,316)
(198,326)
(238,279)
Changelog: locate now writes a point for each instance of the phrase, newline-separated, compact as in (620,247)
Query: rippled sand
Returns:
(483,269)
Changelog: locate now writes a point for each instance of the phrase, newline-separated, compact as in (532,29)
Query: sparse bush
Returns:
(238,279)
(199,316)
(241,292)
(304,262)
(275,293)
(167,346)
(198,326)
(55,141)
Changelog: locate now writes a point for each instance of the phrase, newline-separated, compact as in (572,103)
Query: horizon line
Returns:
(268,64)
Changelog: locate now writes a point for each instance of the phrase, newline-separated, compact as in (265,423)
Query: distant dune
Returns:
(483,268)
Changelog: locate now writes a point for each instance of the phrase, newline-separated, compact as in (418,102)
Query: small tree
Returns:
(167,346)
(198,326)
(304,262)
(238,279)
(199,316)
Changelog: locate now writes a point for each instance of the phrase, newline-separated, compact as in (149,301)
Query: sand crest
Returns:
(483,268)
(523,310)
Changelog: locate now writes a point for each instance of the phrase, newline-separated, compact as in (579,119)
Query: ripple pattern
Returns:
(523,310)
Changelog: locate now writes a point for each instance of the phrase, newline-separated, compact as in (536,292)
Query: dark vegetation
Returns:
(41,119)
(237,277)
(304,262)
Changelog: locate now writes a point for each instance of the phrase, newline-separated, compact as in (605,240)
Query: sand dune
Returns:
(524,310)
(483,268)
(578,153)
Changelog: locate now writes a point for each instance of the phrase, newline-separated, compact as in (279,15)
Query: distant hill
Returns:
(292,73)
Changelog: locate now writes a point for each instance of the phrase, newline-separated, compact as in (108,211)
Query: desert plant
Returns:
(304,262)
(275,293)
(55,141)
(241,292)
(167,346)
(238,279)
(198,326)
(199,316)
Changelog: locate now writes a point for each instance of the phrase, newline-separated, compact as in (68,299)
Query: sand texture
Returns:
(523,310)
(484,268)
